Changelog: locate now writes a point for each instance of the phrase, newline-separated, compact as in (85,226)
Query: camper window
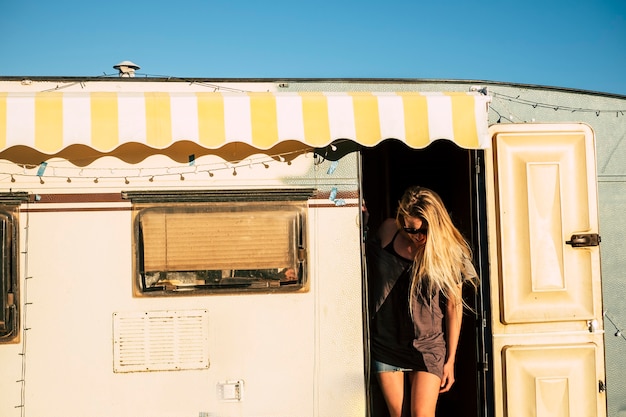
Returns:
(218,246)
(8,277)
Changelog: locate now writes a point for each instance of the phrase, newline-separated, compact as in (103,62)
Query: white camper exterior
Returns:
(122,200)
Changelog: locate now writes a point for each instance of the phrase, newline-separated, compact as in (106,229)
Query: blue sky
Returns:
(572,44)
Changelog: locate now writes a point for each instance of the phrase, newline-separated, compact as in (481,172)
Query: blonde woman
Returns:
(417,264)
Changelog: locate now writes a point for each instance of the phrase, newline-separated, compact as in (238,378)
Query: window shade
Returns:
(213,240)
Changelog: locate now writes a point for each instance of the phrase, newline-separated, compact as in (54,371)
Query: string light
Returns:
(213,87)
(95,174)
(618,331)
(500,116)
(537,104)
(223,88)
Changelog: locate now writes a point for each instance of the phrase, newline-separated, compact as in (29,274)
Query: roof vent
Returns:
(126,68)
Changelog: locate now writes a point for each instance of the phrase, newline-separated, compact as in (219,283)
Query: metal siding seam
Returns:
(48,122)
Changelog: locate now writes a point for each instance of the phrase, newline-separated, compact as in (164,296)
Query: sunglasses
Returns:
(414,231)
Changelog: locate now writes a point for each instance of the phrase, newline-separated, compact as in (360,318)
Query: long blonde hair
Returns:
(444,262)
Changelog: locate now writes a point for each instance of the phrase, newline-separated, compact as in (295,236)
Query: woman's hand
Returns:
(453,317)
(447,379)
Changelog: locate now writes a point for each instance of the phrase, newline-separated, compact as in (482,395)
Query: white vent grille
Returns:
(160,341)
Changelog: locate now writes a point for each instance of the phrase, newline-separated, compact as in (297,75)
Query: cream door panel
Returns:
(555,376)
(544,199)
(546,303)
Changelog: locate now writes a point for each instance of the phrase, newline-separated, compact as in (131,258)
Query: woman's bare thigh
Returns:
(392,386)
(424,393)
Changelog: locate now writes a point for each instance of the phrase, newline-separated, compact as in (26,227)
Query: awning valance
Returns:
(50,122)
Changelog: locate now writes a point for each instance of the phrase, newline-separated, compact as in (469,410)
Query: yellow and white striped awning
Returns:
(50,122)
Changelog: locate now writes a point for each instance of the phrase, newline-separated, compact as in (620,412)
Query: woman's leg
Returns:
(392,386)
(424,393)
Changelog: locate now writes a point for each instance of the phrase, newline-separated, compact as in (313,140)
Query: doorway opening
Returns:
(454,173)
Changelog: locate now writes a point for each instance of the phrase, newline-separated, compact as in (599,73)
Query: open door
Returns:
(387,170)
(548,349)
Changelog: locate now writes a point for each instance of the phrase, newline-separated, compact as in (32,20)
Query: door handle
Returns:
(583,240)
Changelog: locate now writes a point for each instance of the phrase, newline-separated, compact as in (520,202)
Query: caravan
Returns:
(175,248)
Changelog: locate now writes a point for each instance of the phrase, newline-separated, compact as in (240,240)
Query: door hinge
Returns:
(601,386)
(582,240)
(592,325)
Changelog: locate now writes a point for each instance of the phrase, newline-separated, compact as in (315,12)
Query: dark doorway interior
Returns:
(387,170)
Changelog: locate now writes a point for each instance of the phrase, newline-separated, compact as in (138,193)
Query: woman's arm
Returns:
(386,231)
(453,319)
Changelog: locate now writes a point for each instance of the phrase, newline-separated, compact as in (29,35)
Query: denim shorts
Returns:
(385,367)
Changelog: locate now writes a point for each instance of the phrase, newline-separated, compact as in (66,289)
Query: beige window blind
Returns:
(239,239)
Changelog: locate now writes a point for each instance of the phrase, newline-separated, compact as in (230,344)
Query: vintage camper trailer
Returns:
(177,248)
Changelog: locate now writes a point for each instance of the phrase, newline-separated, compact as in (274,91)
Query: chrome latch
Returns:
(582,240)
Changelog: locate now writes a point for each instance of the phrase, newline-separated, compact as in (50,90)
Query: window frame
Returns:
(291,202)
(9,266)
